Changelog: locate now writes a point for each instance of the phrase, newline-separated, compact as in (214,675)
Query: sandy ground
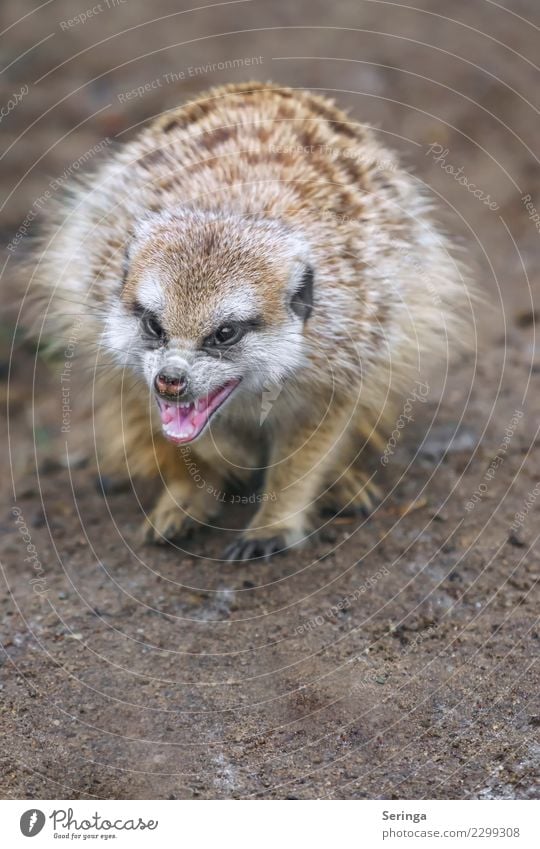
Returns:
(143,672)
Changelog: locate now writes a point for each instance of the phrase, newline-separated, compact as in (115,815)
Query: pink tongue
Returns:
(184,422)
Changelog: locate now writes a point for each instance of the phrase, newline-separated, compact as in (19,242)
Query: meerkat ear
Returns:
(142,228)
(302,300)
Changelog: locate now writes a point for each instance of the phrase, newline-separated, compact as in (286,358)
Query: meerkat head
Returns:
(211,307)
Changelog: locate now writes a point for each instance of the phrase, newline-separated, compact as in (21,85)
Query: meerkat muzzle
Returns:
(185,421)
(170,384)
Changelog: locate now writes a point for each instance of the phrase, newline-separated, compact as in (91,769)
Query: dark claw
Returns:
(171,534)
(350,512)
(358,510)
(252,549)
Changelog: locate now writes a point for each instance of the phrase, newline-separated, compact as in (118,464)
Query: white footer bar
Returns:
(260,824)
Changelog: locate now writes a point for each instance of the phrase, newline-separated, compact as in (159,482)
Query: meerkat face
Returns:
(212,309)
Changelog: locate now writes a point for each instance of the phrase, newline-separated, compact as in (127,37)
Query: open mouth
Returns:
(183,422)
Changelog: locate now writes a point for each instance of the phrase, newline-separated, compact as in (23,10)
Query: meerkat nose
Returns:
(170,382)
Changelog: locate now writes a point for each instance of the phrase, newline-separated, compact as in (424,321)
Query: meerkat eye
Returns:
(302,300)
(151,326)
(231,333)
(227,334)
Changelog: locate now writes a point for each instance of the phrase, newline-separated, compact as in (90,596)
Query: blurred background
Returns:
(164,674)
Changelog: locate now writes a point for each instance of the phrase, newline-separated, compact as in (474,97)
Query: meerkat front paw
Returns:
(176,515)
(165,524)
(257,543)
(354,492)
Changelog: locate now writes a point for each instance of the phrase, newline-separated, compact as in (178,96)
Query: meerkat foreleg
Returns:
(189,501)
(352,491)
(300,462)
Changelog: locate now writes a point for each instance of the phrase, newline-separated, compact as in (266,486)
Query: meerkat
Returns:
(254,244)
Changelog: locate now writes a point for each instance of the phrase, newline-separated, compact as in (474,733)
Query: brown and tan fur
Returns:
(254,179)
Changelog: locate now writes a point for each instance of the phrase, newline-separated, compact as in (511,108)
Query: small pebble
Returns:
(516,541)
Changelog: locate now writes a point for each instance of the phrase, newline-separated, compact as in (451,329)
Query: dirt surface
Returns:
(395,657)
